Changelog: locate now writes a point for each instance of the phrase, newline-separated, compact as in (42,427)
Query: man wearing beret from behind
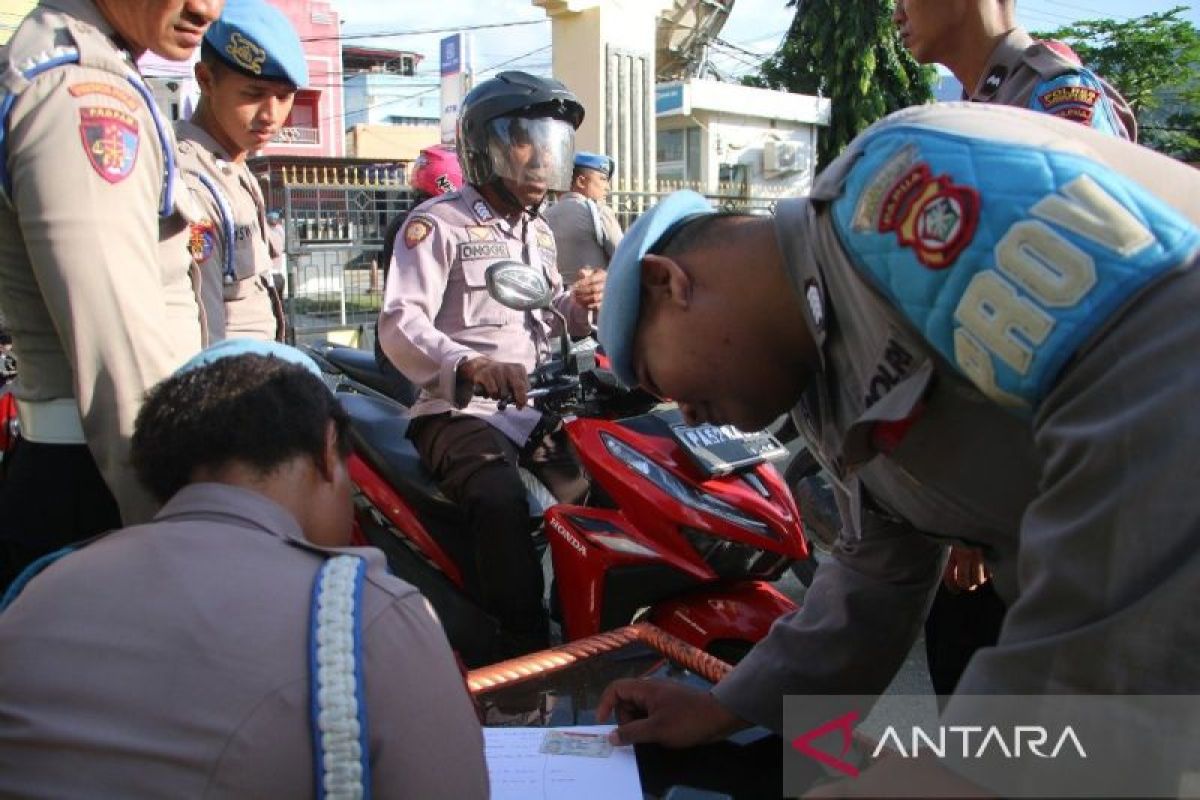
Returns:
(251,64)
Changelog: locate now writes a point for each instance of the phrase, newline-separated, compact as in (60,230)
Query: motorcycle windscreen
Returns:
(538,153)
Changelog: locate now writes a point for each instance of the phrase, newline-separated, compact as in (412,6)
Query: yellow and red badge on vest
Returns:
(110,139)
(202,240)
(1076,103)
(935,217)
(416,231)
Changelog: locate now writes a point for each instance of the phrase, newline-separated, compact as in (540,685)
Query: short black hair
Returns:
(251,409)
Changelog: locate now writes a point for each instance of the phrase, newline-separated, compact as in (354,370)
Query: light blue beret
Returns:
(229,348)
(257,39)
(596,161)
(623,287)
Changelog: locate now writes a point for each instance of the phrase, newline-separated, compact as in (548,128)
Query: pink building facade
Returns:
(316,126)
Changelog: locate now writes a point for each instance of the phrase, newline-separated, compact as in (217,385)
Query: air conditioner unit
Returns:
(782,156)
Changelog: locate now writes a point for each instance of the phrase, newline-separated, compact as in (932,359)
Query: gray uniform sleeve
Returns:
(575,234)
(1110,549)
(858,621)
(425,737)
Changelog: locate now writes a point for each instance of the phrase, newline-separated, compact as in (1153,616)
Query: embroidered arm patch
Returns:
(1078,97)
(110,140)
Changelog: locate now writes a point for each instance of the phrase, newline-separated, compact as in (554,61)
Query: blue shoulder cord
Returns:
(30,572)
(341,754)
(71,56)
(227,227)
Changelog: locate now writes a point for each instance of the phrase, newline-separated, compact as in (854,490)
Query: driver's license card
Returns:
(571,743)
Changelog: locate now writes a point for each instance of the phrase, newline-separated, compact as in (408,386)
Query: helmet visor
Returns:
(534,153)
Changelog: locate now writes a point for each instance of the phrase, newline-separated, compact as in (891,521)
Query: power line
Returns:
(394,100)
(422,32)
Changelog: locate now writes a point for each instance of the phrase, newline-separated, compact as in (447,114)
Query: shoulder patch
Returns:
(104,90)
(110,139)
(416,231)
(1077,96)
(935,217)
(202,237)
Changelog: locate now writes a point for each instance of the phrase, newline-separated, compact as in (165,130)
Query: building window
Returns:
(678,154)
(303,125)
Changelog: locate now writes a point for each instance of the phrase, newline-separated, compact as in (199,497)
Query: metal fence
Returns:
(334,222)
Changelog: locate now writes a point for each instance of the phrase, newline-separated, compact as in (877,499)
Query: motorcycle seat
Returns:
(360,365)
(378,428)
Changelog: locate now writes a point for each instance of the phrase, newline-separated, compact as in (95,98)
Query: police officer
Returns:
(192,634)
(1042,76)
(585,228)
(985,321)
(94,268)
(445,333)
(251,64)
(997,61)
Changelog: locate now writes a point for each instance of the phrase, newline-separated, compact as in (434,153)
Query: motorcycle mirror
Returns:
(518,286)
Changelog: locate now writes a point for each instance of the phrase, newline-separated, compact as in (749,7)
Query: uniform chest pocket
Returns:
(251,255)
(479,309)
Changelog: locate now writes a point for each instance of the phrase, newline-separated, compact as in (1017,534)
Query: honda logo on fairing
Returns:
(566,534)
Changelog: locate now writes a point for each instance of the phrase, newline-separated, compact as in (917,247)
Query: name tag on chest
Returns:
(479,251)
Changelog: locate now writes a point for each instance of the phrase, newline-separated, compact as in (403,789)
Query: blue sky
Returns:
(756,25)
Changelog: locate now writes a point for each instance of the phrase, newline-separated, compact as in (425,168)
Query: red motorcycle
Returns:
(684,527)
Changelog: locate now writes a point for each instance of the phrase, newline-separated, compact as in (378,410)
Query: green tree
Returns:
(1152,60)
(847,51)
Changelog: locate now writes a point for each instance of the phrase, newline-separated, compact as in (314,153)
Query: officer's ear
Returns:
(206,76)
(665,280)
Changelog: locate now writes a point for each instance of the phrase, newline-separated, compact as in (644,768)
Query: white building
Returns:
(724,138)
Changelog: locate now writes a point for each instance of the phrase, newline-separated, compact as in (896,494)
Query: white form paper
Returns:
(519,772)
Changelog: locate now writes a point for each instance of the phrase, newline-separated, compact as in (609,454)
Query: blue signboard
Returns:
(668,97)
(452,54)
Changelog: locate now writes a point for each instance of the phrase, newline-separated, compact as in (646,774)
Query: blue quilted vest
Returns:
(1006,259)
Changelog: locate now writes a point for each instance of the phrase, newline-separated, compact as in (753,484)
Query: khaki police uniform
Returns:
(586,233)
(437,313)
(1072,470)
(1026,73)
(94,269)
(194,634)
(230,243)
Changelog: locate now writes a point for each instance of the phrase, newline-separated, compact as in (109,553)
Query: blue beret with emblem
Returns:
(596,161)
(623,288)
(258,40)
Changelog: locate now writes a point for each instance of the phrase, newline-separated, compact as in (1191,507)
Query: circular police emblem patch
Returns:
(416,231)
(936,217)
